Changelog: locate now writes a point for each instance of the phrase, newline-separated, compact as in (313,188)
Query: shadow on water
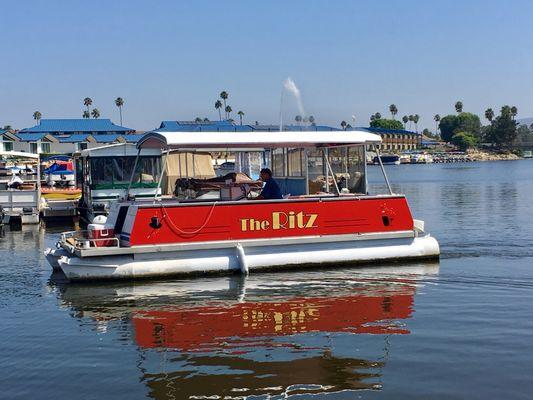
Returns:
(262,335)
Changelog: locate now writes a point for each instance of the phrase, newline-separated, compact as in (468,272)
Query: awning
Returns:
(254,140)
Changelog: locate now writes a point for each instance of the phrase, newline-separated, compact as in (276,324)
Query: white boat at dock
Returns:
(20,195)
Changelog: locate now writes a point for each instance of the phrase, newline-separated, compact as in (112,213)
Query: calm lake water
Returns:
(461,328)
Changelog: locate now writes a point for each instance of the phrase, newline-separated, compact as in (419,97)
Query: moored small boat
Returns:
(387,159)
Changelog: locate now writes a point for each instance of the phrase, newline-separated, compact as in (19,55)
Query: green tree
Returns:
(224,96)
(377,115)
(87,102)
(37,116)
(411,117)
(95,113)
(228,110)
(386,124)
(348,127)
(405,120)
(416,118)
(437,119)
(312,120)
(343,125)
(119,102)
(489,114)
(218,106)
(464,122)
(240,114)
(86,114)
(459,107)
(447,127)
(503,130)
(393,110)
(468,122)
(198,120)
(298,119)
(464,140)
(514,111)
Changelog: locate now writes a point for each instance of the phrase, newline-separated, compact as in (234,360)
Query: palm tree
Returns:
(86,114)
(224,96)
(437,119)
(416,117)
(298,119)
(37,116)
(411,118)
(206,119)
(198,119)
(343,125)
(240,114)
(459,107)
(405,120)
(489,114)
(312,120)
(377,115)
(218,105)
(348,127)
(393,110)
(514,111)
(119,102)
(87,102)
(228,110)
(95,113)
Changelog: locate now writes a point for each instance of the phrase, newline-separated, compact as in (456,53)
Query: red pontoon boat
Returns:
(326,216)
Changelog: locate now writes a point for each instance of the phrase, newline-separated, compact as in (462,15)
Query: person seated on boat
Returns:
(271,189)
(15,182)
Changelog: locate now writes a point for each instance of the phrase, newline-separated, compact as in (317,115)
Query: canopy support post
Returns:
(383,170)
(133,173)
(163,169)
(328,166)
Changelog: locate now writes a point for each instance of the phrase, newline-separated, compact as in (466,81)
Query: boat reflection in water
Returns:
(262,335)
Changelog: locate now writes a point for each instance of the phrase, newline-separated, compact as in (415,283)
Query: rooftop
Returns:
(388,131)
(34,137)
(76,125)
(228,126)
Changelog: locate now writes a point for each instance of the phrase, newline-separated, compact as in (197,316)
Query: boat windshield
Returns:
(115,172)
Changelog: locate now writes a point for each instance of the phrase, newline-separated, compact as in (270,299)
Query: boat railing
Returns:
(75,240)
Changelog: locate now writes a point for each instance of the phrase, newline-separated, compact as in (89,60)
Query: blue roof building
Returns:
(77,126)
(228,126)
(7,138)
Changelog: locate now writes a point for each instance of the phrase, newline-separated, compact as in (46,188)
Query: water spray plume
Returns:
(291,87)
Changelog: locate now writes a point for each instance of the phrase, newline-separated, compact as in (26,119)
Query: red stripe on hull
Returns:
(262,220)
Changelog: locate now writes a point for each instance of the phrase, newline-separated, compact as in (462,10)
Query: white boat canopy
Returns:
(18,154)
(256,139)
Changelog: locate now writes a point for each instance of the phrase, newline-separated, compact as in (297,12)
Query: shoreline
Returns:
(477,155)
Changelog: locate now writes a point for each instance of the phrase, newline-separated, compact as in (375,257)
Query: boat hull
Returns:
(246,258)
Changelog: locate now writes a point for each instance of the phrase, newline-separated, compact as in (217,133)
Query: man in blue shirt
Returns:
(271,189)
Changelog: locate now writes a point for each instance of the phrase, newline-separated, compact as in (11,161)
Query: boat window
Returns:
(356,169)
(347,170)
(316,171)
(115,172)
(278,162)
(295,162)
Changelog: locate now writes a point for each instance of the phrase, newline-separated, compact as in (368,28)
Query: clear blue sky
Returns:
(170,59)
